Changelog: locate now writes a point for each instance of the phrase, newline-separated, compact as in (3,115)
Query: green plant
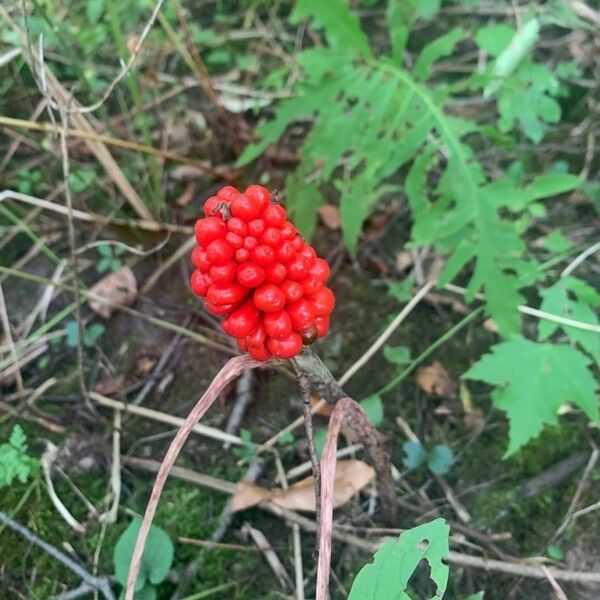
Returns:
(156,559)
(15,462)
(109,260)
(90,335)
(439,458)
(375,123)
(388,576)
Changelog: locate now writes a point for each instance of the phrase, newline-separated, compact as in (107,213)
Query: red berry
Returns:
(234,240)
(323,302)
(276,273)
(241,254)
(285,252)
(292,289)
(256,227)
(259,353)
(226,293)
(242,321)
(242,345)
(257,338)
(297,268)
(288,231)
(298,243)
(228,193)
(199,283)
(209,229)
(322,325)
(269,297)
(250,242)
(260,193)
(200,260)
(219,310)
(211,205)
(302,314)
(274,215)
(278,324)
(219,252)
(271,236)
(223,273)
(238,226)
(311,284)
(286,348)
(246,207)
(309,253)
(262,255)
(250,275)
(321,269)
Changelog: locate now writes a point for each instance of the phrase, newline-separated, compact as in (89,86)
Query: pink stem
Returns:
(228,373)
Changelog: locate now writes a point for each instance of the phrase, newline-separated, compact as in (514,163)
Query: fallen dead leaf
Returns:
(330,215)
(110,386)
(490,325)
(435,380)
(325,410)
(351,476)
(404,260)
(186,173)
(118,288)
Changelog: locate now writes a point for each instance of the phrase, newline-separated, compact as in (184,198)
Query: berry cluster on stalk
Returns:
(253,268)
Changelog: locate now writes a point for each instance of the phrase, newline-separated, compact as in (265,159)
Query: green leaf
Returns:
(303,199)
(552,184)
(373,407)
(556,242)
(156,559)
(387,577)
(92,334)
(493,39)
(320,439)
(72,329)
(414,455)
(440,458)
(15,462)
(397,355)
(427,9)
(341,25)
(401,15)
(440,47)
(94,10)
(532,381)
(555,552)
(401,291)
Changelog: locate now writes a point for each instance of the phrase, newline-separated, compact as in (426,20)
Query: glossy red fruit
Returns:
(226,293)
(288,231)
(219,252)
(302,314)
(310,335)
(210,205)
(256,227)
(242,345)
(259,353)
(298,243)
(241,254)
(322,325)
(246,207)
(209,229)
(297,268)
(285,251)
(286,348)
(257,338)
(274,215)
(199,283)
(277,324)
(200,260)
(250,275)
(271,236)
(219,310)
(234,240)
(242,321)
(323,302)
(262,255)
(276,273)
(292,289)
(250,242)
(223,273)
(269,297)
(320,269)
(311,284)
(238,226)
(228,193)
(260,193)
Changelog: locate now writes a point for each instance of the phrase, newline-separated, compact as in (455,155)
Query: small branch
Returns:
(243,392)
(99,583)
(304,384)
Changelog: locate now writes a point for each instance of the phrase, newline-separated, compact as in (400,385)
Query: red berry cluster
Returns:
(253,268)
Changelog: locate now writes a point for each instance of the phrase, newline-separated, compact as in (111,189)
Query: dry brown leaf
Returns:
(435,380)
(110,386)
(118,288)
(351,476)
(330,215)
(490,325)
(186,173)
(404,260)
(325,410)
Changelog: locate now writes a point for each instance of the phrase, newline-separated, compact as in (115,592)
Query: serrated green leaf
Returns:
(400,15)
(493,39)
(556,242)
(373,407)
(440,458)
(387,577)
(15,463)
(440,47)
(414,455)
(156,559)
(303,199)
(532,381)
(552,184)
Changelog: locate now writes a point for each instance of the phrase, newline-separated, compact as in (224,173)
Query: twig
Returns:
(115,470)
(11,345)
(228,373)
(243,392)
(99,583)
(310,436)
(579,259)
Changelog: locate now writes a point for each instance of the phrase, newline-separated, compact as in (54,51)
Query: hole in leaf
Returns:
(420,584)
